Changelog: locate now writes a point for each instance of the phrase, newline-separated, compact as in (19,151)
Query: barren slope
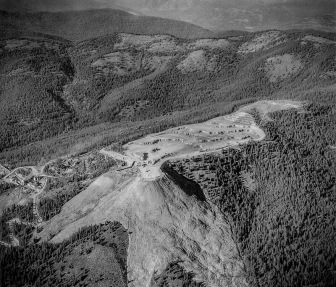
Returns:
(165,224)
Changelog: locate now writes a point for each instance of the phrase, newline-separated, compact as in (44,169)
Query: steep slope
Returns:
(122,86)
(32,75)
(80,25)
(165,225)
(275,197)
(281,195)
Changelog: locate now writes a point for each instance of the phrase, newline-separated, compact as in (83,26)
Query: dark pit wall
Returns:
(188,186)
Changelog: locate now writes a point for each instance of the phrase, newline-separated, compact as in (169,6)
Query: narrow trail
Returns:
(14,242)
(37,217)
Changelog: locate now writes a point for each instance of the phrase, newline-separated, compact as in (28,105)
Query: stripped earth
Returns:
(165,223)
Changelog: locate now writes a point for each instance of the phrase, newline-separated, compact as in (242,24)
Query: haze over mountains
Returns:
(250,15)
(86,24)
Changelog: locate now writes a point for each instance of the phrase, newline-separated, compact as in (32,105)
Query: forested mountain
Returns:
(80,25)
(55,92)
(74,82)
(218,15)
(279,195)
(248,15)
(95,256)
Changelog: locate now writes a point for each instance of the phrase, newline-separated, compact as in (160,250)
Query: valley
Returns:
(137,151)
(92,89)
(145,199)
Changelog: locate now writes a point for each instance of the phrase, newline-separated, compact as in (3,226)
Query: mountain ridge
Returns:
(81,25)
(217,15)
(98,84)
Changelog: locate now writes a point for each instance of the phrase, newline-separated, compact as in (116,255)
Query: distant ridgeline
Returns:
(280,195)
(59,97)
(80,93)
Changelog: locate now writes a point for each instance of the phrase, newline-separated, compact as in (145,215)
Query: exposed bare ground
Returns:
(151,151)
(165,224)
(140,41)
(209,43)
(281,67)
(262,42)
(319,40)
(145,54)
(197,61)
(155,62)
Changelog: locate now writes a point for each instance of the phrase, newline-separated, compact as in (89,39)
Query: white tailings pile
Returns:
(165,224)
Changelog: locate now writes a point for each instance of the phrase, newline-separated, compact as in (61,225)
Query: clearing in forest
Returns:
(196,61)
(280,67)
(163,221)
(262,42)
(209,43)
(155,43)
(319,40)
(119,63)
(149,153)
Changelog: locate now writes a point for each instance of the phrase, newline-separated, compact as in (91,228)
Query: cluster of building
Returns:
(61,167)
(33,182)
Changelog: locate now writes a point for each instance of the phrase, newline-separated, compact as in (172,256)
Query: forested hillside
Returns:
(280,197)
(74,82)
(95,256)
(59,96)
(32,75)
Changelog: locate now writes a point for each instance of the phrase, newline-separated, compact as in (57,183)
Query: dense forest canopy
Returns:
(280,196)
(56,94)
